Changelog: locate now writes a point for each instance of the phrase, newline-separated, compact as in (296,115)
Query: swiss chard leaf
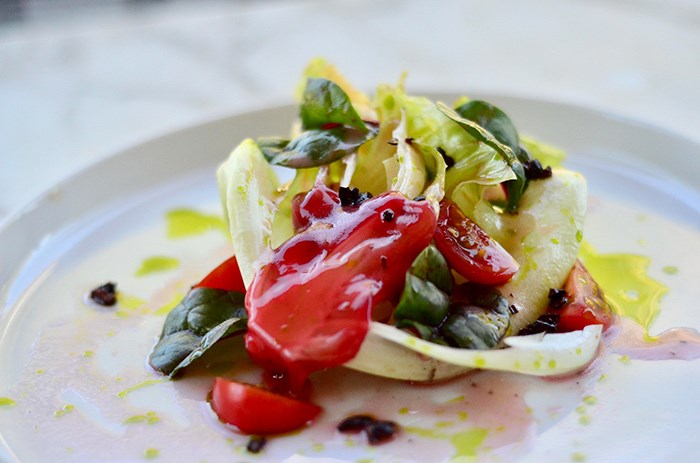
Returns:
(476,121)
(332,129)
(201,319)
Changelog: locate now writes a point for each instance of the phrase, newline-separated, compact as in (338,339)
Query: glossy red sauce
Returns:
(309,308)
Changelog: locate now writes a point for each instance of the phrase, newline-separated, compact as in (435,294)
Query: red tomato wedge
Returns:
(587,304)
(227,276)
(254,410)
(469,250)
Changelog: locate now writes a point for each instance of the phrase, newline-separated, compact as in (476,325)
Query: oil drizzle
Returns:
(157,264)
(628,288)
(183,223)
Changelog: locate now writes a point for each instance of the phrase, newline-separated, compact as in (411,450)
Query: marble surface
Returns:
(76,88)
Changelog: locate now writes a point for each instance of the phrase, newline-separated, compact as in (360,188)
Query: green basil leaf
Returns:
(315,147)
(271,147)
(492,119)
(428,333)
(422,301)
(431,265)
(325,103)
(202,318)
(514,188)
(479,318)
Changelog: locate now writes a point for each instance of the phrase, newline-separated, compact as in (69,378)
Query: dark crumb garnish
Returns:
(105,295)
(355,423)
(557,298)
(513,309)
(256,444)
(387,215)
(547,323)
(381,431)
(351,197)
(377,431)
(393,142)
(419,198)
(534,170)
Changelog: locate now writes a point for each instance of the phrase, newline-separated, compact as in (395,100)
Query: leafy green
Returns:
(516,187)
(331,129)
(479,323)
(422,301)
(314,147)
(321,68)
(493,120)
(425,298)
(202,318)
(547,154)
(323,103)
(432,266)
(249,190)
(410,169)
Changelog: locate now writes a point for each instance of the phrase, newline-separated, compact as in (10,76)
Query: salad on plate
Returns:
(413,239)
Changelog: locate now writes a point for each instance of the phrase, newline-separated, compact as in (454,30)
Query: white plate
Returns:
(73,370)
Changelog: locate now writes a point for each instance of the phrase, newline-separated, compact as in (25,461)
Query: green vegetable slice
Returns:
(249,189)
(538,355)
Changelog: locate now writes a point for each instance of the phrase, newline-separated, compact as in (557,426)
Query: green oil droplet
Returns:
(625,359)
(404,411)
(444,424)
(670,270)
(590,400)
(151,453)
(584,420)
(64,410)
(626,283)
(318,447)
(6,402)
(140,385)
(157,264)
(184,223)
(578,457)
(467,443)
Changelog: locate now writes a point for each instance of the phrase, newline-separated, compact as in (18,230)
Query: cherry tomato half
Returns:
(587,304)
(254,410)
(469,250)
(227,276)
